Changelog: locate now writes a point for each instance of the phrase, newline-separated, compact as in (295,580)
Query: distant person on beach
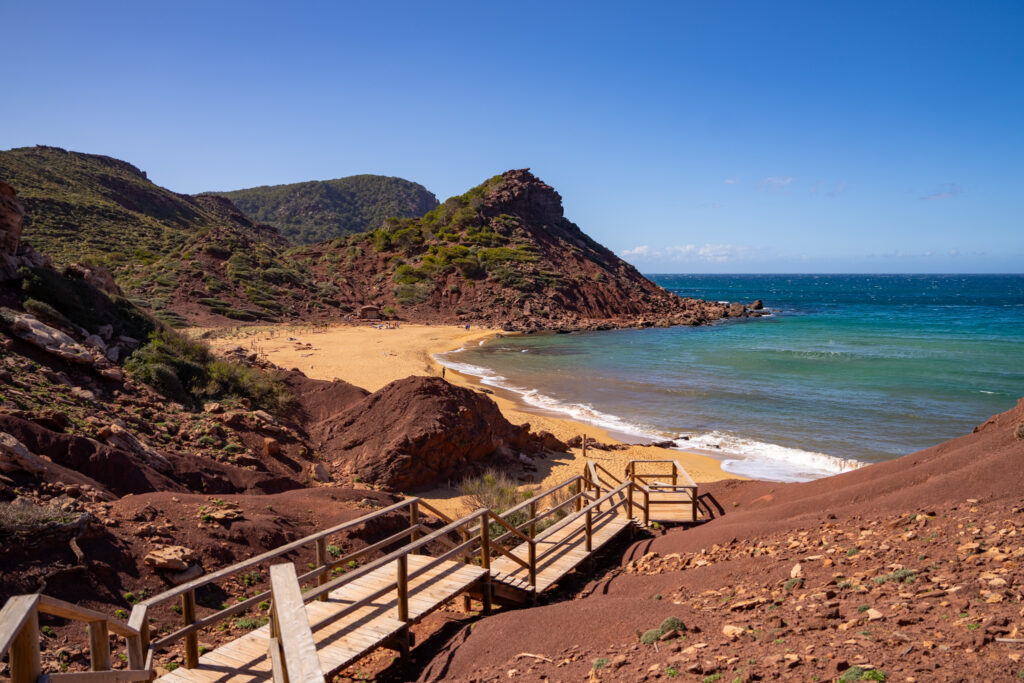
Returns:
(442,372)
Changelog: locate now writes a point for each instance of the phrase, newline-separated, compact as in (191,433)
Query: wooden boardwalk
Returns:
(321,625)
(559,553)
(341,640)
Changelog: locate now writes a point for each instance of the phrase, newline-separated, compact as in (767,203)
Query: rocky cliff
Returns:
(503,254)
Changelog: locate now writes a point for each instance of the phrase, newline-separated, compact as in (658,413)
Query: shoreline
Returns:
(370,358)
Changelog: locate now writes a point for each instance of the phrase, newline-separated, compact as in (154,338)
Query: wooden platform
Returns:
(554,563)
(340,641)
(669,507)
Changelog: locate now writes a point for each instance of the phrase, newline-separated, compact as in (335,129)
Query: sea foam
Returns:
(739,455)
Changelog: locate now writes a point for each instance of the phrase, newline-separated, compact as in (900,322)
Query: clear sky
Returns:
(709,136)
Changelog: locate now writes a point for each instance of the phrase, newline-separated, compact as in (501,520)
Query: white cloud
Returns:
(731,181)
(643,250)
(945,191)
(777,181)
(708,253)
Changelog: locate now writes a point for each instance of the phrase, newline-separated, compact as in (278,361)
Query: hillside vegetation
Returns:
(178,256)
(321,210)
(502,253)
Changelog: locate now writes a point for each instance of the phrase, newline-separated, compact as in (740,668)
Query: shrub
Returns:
(22,514)
(496,491)
(1019,432)
(410,295)
(250,623)
(651,636)
(601,662)
(672,623)
(186,371)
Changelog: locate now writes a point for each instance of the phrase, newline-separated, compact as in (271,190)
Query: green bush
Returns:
(672,623)
(410,295)
(186,371)
(650,636)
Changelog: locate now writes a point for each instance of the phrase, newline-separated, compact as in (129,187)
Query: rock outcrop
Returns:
(11,215)
(30,329)
(422,431)
(502,255)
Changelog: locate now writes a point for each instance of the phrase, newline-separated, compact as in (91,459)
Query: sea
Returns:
(847,370)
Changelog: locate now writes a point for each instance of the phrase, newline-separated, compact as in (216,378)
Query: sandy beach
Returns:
(370,357)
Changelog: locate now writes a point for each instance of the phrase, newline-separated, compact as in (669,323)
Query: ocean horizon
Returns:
(846,370)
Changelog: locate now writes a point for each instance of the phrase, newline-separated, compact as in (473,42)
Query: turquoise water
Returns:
(848,369)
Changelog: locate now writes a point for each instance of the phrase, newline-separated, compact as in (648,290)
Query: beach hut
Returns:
(369,312)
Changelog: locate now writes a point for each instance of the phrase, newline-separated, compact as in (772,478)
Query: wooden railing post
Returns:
(590,530)
(647,507)
(321,560)
(485,559)
(533,563)
(584,438)
(403,588)
(26,664)
(533,515)
(99,646)
(485,542)
(414,519)
(574,489)
(629,501)
(138,647)
(188,617)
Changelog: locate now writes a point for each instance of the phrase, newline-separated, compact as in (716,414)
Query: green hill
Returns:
(321,210)
(181,257)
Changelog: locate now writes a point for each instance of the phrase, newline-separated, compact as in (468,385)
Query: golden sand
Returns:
(370,357)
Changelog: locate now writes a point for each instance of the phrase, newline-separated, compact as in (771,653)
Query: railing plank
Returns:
(270,554)
(292,626)
(15,613)
(19,635)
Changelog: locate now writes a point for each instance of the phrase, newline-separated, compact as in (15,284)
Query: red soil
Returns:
(851,534)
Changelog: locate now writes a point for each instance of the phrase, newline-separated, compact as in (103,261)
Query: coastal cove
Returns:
(849,369)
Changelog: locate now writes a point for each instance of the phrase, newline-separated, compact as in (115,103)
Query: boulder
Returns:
(174,558)
(735,310)
(319,473)
(14,457)
(28,328)
(419,432)
(97,276)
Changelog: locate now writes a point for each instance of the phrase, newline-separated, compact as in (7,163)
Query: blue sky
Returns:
(687,136)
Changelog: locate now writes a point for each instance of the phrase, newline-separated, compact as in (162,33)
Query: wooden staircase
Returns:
(320,625)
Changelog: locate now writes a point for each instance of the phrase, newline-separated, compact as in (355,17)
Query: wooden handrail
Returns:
(67,610)
(434,511)
(19,635)
(378,563)
(516,508)
(192,626)
(290,627)
(270,554)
